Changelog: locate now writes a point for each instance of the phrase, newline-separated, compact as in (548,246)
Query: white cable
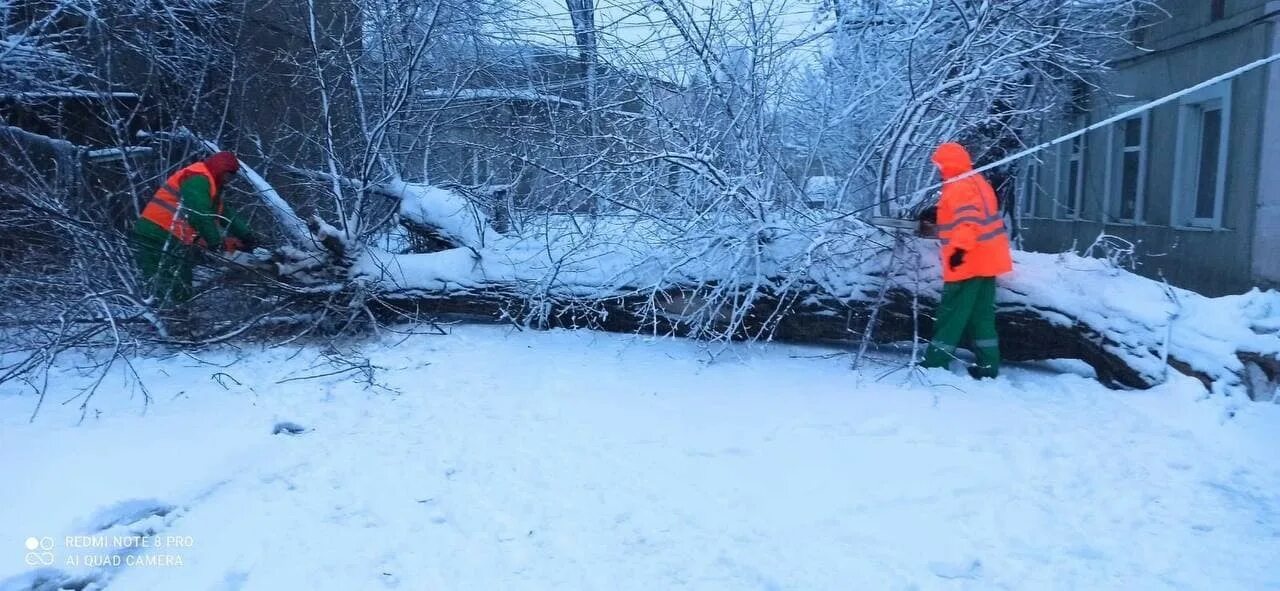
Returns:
(1125,115)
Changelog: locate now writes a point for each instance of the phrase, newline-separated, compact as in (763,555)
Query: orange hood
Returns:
(953,160)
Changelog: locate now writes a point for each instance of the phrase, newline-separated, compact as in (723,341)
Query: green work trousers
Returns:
(166,268)
(968,310)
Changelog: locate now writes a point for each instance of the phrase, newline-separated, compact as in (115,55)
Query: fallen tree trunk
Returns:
(1133,331)
(1027,333)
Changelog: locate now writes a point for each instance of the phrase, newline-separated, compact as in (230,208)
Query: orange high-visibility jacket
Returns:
(969,219)
(165,208)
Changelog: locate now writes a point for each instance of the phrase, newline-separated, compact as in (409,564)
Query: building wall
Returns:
(1188,20)
(1186,50)
(1266,237)
(507,130)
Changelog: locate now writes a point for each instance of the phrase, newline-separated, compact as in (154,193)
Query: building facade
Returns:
(1193,184)
(518,127)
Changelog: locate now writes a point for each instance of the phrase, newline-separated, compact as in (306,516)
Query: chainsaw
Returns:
(921,228)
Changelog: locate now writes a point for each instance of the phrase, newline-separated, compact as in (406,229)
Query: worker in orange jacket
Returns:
(975,250)
(185,216)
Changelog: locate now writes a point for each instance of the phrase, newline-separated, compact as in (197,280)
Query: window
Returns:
(1138,24)
(1207,172)
(1127,170)
(1071,178)
(1200,174)
(1217,9)
(475,166)
(465,155)
(1030,187)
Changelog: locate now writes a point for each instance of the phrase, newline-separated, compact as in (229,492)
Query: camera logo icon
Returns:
(39,551)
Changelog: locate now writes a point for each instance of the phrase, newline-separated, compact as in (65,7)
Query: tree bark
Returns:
(1027,333)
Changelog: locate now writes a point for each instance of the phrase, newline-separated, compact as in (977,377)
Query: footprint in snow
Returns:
(882,426)
(125,513)
(288,428)
(233,581)
(969,570)
(132,517)
(44,579)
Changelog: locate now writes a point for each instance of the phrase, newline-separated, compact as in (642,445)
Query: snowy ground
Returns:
(561,460)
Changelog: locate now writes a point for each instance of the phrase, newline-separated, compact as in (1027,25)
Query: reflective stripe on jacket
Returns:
(165,208)
(969,219)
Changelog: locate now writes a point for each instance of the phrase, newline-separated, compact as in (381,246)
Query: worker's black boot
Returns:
(982,372)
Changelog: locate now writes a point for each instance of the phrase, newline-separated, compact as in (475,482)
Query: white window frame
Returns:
(479,172)
(1115,168)
(475,168)
(466,162)
(1063,184)
(1186,170)
(1029,188)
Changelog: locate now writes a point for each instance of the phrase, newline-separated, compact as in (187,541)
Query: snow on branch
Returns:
(453,215)
(456,220)
(511,94)
(294,226)
(55,143)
